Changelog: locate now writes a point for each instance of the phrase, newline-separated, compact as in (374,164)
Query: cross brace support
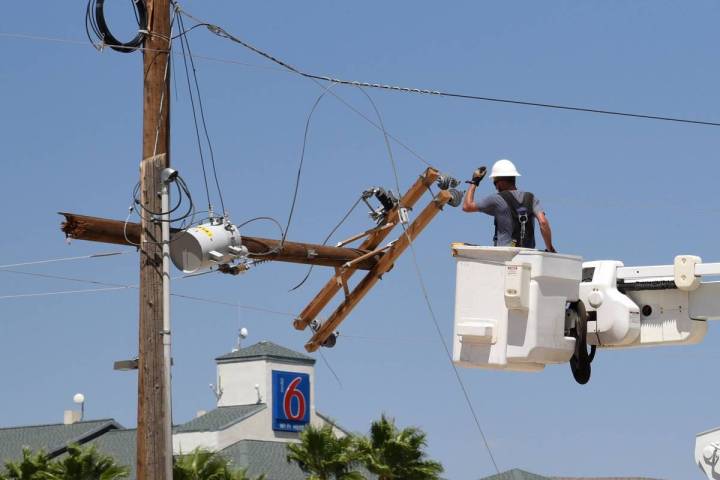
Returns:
(372,277)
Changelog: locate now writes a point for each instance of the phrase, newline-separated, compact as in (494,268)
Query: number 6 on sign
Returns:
(291,400)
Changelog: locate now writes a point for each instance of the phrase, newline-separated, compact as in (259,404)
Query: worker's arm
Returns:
(469,204)
(545,231)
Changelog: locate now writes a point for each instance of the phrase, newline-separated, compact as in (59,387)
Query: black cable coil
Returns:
(95,19)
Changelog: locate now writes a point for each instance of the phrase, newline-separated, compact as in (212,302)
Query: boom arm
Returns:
(520,309)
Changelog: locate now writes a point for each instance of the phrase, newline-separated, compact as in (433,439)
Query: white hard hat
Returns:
(504,168)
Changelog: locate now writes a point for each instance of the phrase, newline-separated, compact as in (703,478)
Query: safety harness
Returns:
(523,234)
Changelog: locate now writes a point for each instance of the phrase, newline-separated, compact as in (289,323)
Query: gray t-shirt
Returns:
(496,206)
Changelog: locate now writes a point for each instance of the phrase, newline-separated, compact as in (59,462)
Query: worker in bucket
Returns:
(514,210)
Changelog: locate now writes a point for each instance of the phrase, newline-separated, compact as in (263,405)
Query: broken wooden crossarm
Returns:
(94,229)
(376,236)
(373,276)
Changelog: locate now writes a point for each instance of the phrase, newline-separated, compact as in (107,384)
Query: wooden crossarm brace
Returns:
(383,265)
(364,234)
(372,241)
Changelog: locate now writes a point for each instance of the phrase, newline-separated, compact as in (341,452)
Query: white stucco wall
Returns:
(238,381)
(187,442)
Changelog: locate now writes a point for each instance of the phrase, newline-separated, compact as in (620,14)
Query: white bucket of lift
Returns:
(510,307)
(204,246)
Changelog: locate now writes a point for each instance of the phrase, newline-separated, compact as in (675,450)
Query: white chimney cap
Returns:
(79,398)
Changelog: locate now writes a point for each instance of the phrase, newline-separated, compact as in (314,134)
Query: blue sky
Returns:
(634,190)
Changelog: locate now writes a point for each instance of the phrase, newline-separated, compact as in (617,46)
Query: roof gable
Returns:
(269,459)
(266,350)
(220,418)
(516,474)
(53,438)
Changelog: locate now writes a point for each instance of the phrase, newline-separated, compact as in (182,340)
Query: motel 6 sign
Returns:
(291,400)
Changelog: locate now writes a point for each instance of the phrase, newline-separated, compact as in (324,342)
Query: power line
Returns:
(219,31)
(107,287)
(300,166)
(449,356)
(327,238)
(69,41)
(327,364)
(65,259)
(356,83)
(65,292)
(186,44)
(423,288)
(194,114)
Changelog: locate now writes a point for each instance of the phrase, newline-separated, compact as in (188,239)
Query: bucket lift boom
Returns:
(521,309)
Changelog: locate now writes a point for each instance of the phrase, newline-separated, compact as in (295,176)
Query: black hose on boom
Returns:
(581,359)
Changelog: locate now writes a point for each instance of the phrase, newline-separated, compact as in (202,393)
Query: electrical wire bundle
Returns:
(182,190)
(148,215)
(95,21)
(198,113)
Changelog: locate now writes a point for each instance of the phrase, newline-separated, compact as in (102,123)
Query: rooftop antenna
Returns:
(79,398)
(217,390)
(242,335)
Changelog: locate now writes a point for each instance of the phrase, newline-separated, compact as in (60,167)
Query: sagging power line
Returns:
(219,31)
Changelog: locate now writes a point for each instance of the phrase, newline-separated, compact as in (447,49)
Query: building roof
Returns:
(516,474)
(121,445)
(269,458)
(266,350)
(52,438)
(603,478)
(220,418)
(260,457)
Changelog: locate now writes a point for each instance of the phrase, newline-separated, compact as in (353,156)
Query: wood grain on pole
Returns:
(372,241)
(385,263)
(84,227)
(154,461)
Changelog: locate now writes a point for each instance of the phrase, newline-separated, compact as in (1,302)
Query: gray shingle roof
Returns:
(603,478)
(266,350)
(516,474)
(268,458)
(220,418)
(121,445)
(50,438)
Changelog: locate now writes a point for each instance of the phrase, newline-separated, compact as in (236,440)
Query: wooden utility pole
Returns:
(154,438)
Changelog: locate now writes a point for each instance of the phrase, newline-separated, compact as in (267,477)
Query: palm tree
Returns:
(86,464)
(395,454)
(31,467)
(202,464)
(323,455)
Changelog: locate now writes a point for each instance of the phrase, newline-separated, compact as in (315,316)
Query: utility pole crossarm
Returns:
(373,240)
(374,275)
(94,229)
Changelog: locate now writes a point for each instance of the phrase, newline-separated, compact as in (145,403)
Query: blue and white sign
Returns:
(291,400)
